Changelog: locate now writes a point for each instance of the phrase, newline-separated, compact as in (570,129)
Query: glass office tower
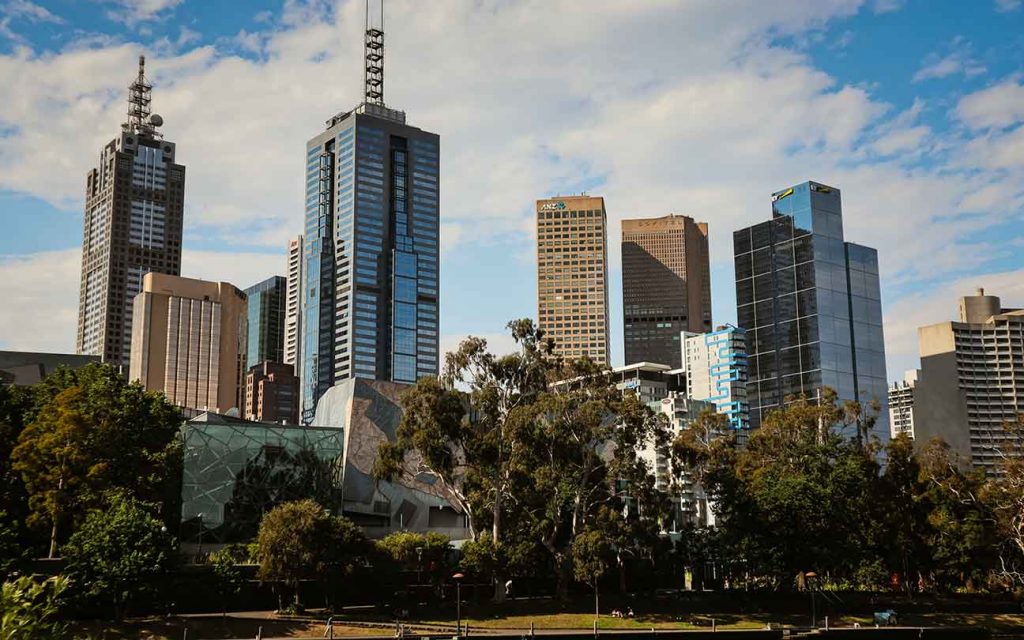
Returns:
(266,321)
(811,305)
(370,296)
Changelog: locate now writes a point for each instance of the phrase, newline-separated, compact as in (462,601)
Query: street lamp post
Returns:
(419,565)
(458,603)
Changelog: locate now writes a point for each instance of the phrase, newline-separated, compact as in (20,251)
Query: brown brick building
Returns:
(272,393)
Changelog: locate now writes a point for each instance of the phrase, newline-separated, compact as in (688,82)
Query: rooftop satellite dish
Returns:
(156,120)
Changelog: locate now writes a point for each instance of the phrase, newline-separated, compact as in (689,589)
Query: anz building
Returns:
(370,296)
(811,306)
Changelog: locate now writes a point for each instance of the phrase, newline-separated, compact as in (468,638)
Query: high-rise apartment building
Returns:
(902,399)
(188,340)
(666,286)
(972,379)
(370,294)
(715,364)
(272,393)
(572,275)
(293,305)
(266,304)
(132,226)
(811,306)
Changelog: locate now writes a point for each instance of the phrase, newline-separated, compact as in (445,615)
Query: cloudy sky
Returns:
(913,108)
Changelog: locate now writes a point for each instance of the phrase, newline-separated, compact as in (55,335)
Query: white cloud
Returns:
(998,106)
(957,61)
(133,12)
(1004,6)
(40,293)
(29,11)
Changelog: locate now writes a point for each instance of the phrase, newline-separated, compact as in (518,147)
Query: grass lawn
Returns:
(212,628)
(242,626)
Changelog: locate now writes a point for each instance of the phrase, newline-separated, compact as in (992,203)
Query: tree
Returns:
(590,552)
(1005,493)
(224,563)
(416,551)
(29,609)
(55,463)
(963,538)
(94,432)
(300,541)
(579,446)
(14,404)
(119,554)
(455,428)
(799,496)
(906,513)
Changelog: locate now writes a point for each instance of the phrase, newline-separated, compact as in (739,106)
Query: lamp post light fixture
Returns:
(419,565)
(458,603)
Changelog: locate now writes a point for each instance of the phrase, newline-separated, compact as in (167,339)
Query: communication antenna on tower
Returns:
(140,95)
(373,50)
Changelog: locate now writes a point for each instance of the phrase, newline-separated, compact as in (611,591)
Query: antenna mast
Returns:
(374,52)
(140,94)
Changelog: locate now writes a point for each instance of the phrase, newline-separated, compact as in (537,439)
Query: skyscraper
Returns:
(572,275)
(811,306)
(666,286)
(902,399)
(188,340)
(132,226)
(266,304)
(370,294)
(716,371)
(293,305)
(972,379)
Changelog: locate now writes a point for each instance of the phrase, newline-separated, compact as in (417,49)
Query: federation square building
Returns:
(810,303)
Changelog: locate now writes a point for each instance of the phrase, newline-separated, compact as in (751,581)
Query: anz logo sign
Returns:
(552,206)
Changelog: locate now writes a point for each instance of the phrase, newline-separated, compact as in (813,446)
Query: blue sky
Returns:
(914,109)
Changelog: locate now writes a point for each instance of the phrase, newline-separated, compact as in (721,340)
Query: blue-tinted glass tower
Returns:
(811,305)
(266,302)
(370,300)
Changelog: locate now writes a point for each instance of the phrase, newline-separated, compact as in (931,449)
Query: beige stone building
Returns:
(189,341)
(666,286)
(971,380)
(572,275)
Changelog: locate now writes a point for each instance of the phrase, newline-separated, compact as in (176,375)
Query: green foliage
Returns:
(416,551)
(228,577)
(10,550)
(301,541)
(94,432)
(29,609)
(590,556)
(119,554)
(799,496)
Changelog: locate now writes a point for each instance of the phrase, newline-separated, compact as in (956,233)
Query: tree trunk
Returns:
(622,574)
(53,539)
(562,568)
(597,603)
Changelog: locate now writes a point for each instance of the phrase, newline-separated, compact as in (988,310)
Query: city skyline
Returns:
(918,250)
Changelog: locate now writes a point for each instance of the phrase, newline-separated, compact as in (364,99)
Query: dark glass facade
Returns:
(266,302)
(236,471)
(811,305)
(666,286)
(370,300)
